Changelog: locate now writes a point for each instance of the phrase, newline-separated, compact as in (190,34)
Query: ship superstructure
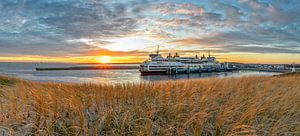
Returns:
(174,64)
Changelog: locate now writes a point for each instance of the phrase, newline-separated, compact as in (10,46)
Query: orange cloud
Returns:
(171,8)
(106,52)
(175,22)
(190,10)
(187,41)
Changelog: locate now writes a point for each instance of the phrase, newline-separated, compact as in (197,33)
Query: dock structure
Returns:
(270,70)
(190,70)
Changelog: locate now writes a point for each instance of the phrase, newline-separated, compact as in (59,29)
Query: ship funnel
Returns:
(203,57)
(176,55)
(169,56)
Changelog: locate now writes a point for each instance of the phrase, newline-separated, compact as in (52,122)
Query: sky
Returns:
(126,31)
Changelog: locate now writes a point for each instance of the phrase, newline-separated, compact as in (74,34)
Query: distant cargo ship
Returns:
(157,64)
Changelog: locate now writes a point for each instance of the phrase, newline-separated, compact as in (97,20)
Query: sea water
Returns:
(27,71)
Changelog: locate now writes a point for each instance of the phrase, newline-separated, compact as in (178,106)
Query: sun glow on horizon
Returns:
(124,58)
(104,59)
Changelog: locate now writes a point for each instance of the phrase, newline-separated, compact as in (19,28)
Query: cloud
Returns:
(275,12)
(74,28)
(244,42)
(49,25)
(257,49)
(187,41)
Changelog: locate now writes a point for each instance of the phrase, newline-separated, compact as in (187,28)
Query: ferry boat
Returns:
(175,64)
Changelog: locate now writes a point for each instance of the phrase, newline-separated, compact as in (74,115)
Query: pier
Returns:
(267,70)
(101,67)
(270,70)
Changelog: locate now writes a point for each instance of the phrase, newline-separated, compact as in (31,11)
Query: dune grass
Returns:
(230,106)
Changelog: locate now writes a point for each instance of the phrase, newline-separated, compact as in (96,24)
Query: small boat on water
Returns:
(157,64)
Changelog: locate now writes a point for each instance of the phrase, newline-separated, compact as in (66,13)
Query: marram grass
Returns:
(228,106)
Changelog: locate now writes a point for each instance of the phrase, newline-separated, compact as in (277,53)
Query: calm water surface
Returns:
(27,71)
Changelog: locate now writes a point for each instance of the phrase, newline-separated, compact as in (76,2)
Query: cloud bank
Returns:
(78,28)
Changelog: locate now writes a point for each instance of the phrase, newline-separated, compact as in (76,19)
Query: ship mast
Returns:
(293,69)
(157,51)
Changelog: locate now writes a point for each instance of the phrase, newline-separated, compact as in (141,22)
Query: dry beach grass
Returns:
(229,106)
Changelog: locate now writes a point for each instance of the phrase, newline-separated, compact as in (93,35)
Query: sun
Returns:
(104,59)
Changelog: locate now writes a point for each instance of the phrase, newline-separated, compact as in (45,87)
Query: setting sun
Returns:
(104,59)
